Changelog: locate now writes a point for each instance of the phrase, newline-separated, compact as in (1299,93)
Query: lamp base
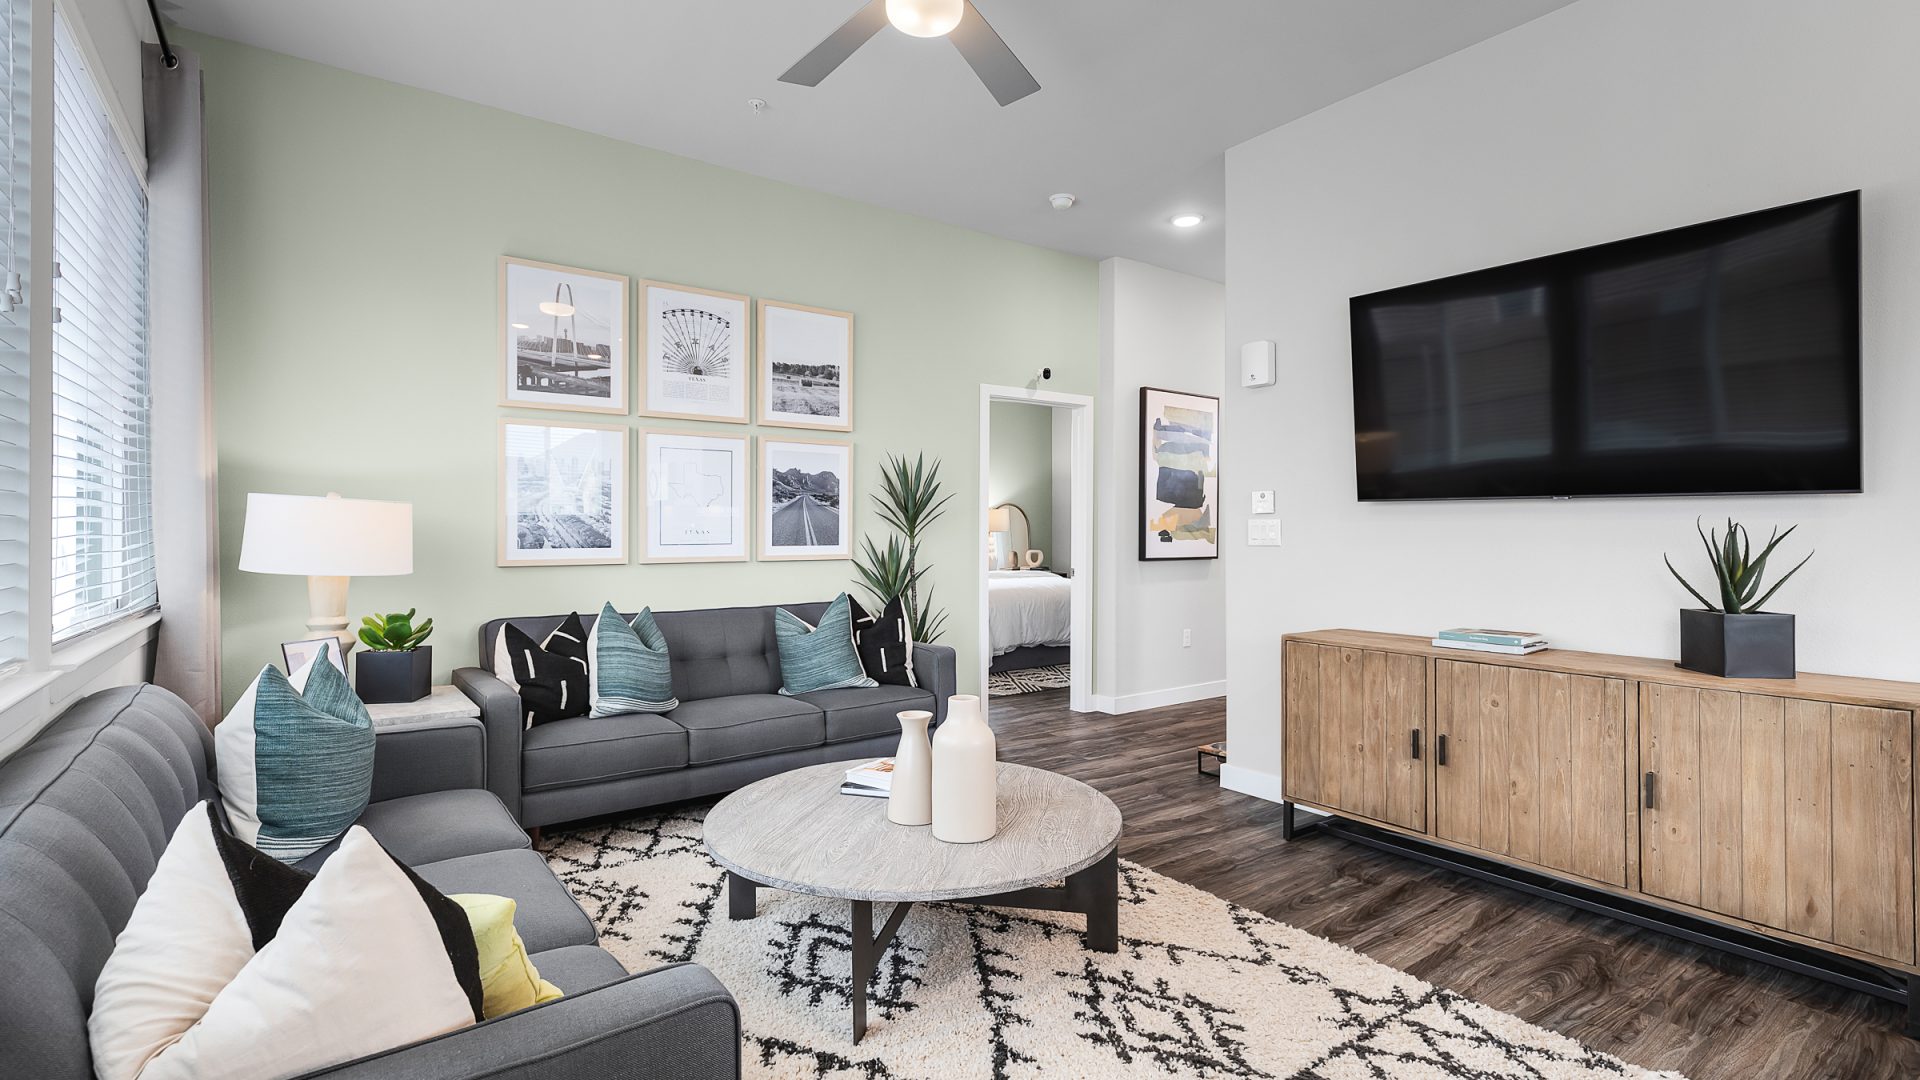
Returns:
(327,611)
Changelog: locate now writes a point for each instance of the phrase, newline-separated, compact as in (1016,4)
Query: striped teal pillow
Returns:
(630,672)
(818,658)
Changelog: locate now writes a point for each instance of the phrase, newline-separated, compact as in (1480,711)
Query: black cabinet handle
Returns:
(1416,744)
(1440,750)
(1646,789)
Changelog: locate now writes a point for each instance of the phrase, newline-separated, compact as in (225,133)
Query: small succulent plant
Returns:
(393,633)
(1735,569)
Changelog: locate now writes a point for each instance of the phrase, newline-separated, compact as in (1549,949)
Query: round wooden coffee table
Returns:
(797,832)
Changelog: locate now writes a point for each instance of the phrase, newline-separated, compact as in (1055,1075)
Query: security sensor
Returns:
(1045,373)
(1257,364)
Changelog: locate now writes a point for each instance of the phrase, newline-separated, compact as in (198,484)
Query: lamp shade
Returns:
(327,536)
(999,519)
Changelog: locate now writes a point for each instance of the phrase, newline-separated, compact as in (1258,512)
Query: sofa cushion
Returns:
(295,759)
(862,712)
(747,725)
(443,825)
(547,917)
(589,749)
(576,969)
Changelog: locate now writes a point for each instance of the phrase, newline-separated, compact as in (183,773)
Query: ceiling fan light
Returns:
(925,18)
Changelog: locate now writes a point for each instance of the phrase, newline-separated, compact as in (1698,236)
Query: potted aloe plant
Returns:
(1735,639)
(396,667)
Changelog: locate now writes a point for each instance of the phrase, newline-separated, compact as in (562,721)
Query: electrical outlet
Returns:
(1263,533)
(1263,502)
(1186,639)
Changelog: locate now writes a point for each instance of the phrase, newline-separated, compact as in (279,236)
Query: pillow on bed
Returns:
(885,643)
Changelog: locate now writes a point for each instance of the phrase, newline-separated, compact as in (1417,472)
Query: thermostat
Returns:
(1256,364)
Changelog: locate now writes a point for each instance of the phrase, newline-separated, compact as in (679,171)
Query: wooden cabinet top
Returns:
(1876,693)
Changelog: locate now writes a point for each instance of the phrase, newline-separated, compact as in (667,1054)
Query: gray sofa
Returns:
(732,727)
(89,804)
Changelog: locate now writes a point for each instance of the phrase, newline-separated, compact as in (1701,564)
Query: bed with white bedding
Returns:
(1027,608)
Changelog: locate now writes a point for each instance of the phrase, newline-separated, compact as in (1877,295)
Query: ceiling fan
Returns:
(1004,75)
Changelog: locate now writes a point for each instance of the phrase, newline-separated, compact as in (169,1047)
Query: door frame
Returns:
(1080,519)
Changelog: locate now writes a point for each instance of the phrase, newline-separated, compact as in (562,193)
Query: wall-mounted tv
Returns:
(1721,358)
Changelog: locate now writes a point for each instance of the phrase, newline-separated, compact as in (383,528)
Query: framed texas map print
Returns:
(806,367)
(693,498)
(1179,475)
(695,362)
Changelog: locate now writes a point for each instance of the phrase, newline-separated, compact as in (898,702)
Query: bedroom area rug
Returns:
(1200,988)
(1029,680)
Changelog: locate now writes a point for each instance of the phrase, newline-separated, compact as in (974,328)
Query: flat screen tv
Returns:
(1721,358)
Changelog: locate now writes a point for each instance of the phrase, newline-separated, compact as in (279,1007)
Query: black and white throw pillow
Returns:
(885,643)
(551,675)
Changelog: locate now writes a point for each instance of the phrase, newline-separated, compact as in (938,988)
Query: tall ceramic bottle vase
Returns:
(910,799)
(965,781)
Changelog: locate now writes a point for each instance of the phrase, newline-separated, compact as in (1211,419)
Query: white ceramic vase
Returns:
(910,798)
(965,777)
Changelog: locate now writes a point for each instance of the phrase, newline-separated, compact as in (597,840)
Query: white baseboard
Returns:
(1158,699)
(1252,782)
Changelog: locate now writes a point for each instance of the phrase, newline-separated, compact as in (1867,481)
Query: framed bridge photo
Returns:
(806,499)
(563,337)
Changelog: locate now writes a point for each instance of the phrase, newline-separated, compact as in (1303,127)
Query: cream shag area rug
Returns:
(1200,987)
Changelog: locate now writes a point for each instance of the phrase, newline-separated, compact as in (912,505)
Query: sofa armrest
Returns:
(671,1023)
(438,755)
(935,668)
(500,714)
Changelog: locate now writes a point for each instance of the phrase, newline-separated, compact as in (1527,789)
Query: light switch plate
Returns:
(1263,502)
(1263,534)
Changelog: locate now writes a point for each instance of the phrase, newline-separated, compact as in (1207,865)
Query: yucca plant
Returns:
(393,633)
(1735,569)
(910,501)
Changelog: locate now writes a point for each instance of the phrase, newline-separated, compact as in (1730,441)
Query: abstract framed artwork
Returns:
(806,367)
(693,498)
(695,358)
(563,493)
(563,337)
(1179,475)
(806,499)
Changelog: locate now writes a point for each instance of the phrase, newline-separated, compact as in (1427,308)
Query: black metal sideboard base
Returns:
(1898,987)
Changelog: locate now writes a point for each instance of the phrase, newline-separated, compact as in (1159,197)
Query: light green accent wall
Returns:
(356,226)
(1020,465)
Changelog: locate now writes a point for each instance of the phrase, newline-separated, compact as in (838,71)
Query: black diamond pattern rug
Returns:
(1028,680)
(1200,988)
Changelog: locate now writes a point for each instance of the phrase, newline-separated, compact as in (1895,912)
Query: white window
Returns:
(16,395)
(102,512)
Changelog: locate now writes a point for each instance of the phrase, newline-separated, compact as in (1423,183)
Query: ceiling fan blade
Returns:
(1006,77)
(839,45)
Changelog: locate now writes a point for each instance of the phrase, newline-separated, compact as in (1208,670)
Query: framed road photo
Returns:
(563,493)
(695,361)
(806,367)
(563,337)
(693,498)
(806,499)
(1179,475)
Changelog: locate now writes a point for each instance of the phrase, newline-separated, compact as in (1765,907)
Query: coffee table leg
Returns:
(867,950)
(741,896)
(1096,891)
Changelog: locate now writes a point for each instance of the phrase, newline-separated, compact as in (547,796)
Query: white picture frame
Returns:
(806,367)
(696,354)
(298,654)
(563,337)
(813,521)
(563,493)
(695,494)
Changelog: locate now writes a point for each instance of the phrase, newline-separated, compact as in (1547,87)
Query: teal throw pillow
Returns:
(630,671)
(822,657)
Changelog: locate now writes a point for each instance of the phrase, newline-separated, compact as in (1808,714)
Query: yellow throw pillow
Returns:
(508,981)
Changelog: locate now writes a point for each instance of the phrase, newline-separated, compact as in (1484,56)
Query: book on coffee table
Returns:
(864,791)
(877,773)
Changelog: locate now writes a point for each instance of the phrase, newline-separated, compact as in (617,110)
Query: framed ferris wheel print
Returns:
(694,359)
(563,334)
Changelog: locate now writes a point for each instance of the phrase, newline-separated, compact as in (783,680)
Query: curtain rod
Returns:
(160,31)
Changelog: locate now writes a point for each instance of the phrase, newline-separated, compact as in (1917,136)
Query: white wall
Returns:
(112,32)
(1605,119)
(1164,329)
(1020,469)
(1060,557)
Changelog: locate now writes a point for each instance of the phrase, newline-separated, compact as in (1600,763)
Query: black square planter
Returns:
(1757,646)
(385,678)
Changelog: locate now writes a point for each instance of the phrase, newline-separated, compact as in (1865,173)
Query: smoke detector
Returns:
(1062,201)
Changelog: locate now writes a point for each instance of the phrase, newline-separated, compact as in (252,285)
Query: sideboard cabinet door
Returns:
(1350,731)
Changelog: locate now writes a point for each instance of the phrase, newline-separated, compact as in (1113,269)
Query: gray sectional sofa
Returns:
(89,804)
(732,727)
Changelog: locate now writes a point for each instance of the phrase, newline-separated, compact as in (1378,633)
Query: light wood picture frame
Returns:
(805,368)
(1179,475)
(696,354)
(563,493)
(802,515)
(563,337)
(696,496)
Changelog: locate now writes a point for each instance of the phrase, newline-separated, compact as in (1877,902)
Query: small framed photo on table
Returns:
(298,654)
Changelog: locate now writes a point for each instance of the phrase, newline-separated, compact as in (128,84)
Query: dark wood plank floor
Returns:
(1652,999)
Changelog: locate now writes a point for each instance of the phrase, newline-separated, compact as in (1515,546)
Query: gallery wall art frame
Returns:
(533,293)
(1180,476)
(613,445)
(667,531)
(791,531)
(694,331)
(796,342)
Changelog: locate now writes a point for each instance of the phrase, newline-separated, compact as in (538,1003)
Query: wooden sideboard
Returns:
(1783,808)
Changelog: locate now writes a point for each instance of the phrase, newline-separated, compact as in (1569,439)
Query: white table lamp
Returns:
(328,541)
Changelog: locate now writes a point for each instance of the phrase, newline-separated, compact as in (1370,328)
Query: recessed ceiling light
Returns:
(1187,221)
(1062,201)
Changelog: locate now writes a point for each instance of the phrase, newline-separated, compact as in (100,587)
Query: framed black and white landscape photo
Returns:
(563,337)
(563,493)
(806,498)
(695,362)
(806,367)
(693,499)
(1179,475)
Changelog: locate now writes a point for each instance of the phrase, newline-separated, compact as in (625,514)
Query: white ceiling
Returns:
(1139,99)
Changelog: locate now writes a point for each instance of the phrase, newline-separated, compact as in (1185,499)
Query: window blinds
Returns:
(16,464)
(102,514)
